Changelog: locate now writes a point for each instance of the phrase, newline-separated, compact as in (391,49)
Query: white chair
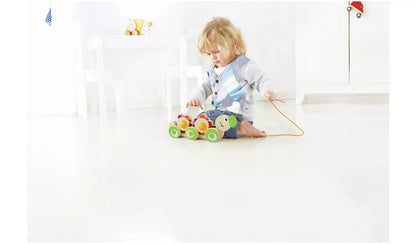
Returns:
(84,77)
(172,74)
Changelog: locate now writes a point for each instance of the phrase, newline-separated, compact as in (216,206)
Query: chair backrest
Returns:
(81,95)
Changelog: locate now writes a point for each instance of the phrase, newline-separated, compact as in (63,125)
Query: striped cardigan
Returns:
(232,90)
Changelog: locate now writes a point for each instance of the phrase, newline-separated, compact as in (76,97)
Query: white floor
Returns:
(127,180)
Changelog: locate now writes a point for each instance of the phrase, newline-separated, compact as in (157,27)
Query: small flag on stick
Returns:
(48,19)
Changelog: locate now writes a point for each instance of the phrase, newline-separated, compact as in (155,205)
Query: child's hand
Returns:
(269,96)
(194,102)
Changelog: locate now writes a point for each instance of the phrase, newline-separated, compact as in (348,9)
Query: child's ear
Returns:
(236,51)
(233,121)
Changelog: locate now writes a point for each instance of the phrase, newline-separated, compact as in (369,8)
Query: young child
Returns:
(231,78)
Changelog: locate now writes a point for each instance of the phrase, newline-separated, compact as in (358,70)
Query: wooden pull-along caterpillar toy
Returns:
(201,127)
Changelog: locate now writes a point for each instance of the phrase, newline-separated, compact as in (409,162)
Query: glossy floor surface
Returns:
(125,179)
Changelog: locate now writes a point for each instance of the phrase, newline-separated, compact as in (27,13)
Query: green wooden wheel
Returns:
(212,135)
(174,131)
(191,133)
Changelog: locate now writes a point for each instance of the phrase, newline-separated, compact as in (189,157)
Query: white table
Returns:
(100,43)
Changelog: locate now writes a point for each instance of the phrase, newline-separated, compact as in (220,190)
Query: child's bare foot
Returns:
(250,128)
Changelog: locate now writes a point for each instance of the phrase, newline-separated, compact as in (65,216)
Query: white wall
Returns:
(51,86)
(267,27)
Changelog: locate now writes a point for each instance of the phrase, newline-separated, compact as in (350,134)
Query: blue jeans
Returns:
(232,132)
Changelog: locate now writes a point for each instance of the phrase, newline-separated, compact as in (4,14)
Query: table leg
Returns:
(100,76)
(182,71)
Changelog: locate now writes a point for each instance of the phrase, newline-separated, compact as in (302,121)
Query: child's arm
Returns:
(260,81)
(200,93)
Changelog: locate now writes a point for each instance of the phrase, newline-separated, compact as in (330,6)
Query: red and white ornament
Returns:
(356,6)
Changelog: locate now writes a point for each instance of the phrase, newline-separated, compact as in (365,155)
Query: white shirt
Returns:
(218,71)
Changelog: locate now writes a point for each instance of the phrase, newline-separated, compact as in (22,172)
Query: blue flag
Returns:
(48,19)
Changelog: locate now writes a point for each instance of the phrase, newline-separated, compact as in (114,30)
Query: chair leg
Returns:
(300,97)
(81,97)
(168,90)
(102,98)
(82,101)
(119,94)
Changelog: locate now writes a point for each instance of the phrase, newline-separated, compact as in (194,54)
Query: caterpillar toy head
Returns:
(224,122)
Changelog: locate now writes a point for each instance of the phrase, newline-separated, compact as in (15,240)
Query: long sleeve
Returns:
(202,91)
(258,79)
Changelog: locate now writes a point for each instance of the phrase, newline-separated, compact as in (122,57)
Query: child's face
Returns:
(219,56)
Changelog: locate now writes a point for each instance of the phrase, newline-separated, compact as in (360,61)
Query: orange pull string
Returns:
(271,101)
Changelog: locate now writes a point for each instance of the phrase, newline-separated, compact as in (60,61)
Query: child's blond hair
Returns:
(221,32)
